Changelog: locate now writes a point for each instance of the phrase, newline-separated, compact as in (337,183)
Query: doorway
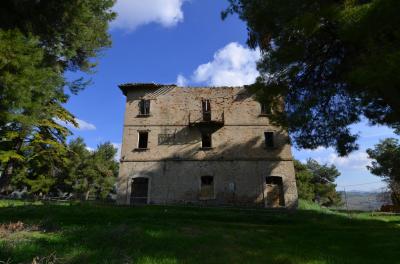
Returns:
(139,190)
(274,190)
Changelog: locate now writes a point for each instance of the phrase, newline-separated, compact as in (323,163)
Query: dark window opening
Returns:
(266,109)
(206,141)
(207,187)
(144,107)
(269,139)
(143,138)
(206,107)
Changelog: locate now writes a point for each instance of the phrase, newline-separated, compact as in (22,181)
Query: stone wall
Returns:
(174,160)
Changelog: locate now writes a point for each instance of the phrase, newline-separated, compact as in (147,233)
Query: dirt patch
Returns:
(14,227)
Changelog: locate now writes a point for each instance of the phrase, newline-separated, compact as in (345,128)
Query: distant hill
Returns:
(362,201)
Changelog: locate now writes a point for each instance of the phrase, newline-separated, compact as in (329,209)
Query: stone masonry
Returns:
(212,146)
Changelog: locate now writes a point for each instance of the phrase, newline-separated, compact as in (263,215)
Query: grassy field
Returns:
(158,234)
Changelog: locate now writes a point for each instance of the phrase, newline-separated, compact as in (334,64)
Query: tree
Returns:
(333,61)
(305,187)
(316,182)
(386,164)
(90,172)
(77,171)
(39,42)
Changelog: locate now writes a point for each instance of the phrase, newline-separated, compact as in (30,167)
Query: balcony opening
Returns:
(269,139)
(206,106)
(207,188)
(144,107)
(143,139)
(206,140)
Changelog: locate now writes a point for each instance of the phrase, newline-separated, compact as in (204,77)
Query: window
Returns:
(269,139)
(143,139)
(266,109)
(206,141)
(144,107)
(206,107)
(207,187)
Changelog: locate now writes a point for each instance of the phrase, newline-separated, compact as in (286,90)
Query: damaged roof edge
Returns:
(125,87)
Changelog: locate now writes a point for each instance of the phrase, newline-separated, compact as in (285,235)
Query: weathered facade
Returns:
(202,145)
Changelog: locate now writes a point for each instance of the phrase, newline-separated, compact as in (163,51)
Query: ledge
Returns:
(143,116)
(206,149)
(140,149)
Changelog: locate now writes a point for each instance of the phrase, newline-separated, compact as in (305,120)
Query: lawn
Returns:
(168,234)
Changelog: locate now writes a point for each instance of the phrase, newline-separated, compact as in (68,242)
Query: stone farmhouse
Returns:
(212,146)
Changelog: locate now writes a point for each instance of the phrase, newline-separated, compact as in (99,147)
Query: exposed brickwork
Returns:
(174,161)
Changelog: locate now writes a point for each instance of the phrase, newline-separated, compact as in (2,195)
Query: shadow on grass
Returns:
(157,234)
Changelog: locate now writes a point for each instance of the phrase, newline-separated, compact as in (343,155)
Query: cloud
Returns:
(356,160)
(233,65)
(134,13)
(181,80)
(118,147)
(83,125)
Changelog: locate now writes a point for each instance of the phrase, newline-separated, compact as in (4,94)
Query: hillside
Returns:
(167,234)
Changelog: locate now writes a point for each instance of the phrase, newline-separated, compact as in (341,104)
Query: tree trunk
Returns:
(87,195)
(5,178)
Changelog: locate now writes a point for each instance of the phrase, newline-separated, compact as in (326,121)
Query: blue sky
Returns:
(186,42)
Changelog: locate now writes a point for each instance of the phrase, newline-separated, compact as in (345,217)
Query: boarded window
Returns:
(207,187)
(144,107)
(266,109)
(166,139)
(274,192)
(143,139)
(206,107)
(206,140)
(269,139)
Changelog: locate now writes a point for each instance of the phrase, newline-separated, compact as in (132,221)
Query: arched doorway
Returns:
(139,190)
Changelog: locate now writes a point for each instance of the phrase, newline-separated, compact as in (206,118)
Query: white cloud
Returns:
(83,125)
(233,65)
(90,149)
(356,160)
(118,147)
(134,13)
(181,80)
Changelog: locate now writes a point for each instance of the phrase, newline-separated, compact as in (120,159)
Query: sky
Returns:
(185,42)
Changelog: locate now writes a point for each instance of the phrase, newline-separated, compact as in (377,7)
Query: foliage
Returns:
(77,171)
(315,182)
(167,234)
(386,164)
(39,42)
(332,60)
(91,171)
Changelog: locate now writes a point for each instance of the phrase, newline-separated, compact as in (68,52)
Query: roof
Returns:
(125,87)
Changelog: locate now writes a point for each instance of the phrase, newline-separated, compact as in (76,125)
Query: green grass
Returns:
(161,234)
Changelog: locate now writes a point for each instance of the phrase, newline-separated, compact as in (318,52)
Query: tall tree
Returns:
(333,61)
(39,42)
(386,164)
(316,182)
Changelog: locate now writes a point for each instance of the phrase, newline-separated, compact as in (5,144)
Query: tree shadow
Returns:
(170,234)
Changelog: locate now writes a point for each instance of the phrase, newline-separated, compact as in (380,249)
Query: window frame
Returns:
(144,108)
(203,135)
(211,186)
(142,132)
(269,142)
